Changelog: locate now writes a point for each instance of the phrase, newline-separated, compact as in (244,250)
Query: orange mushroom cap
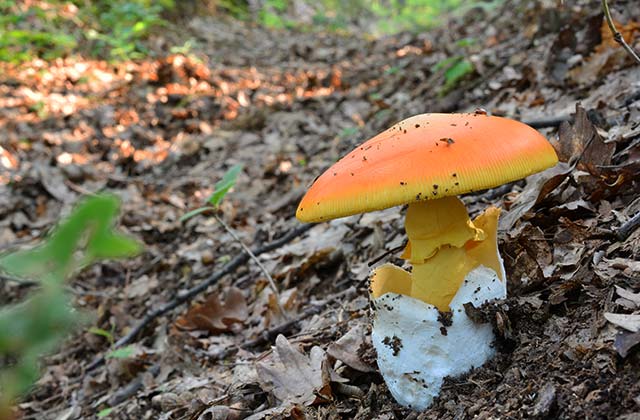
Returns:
(425,157)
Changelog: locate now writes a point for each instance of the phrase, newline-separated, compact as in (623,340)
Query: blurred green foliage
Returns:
(378,17)
(33,327)
(455,69)
(55,28)
(118,29)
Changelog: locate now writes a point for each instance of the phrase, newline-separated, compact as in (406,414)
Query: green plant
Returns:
(455,69)
(55,28)
(120,26)
(222,187)
(35,326)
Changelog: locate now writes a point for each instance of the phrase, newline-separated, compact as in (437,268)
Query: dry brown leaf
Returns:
(632,300)
(214,316)
(265,309)
(608,56)
(294,377)
(347,347)
(628,322)
(538,187)
(580,143)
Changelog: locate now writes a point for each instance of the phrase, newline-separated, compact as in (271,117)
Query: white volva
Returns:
(416,351)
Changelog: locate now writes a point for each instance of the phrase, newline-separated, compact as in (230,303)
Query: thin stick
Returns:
(270,334)
(256,260)
(194,291)
(388,252)
(628,227)
(548,121)
(617,36)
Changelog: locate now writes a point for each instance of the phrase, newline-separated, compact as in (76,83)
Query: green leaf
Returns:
(348,132)
(224,185)
(195,212)
(105,412)
(103,333)
(34,327)
(89,228)
(121,353)
(30,329)
(457,72)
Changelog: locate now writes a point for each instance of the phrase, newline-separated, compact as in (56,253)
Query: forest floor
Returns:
(159,133)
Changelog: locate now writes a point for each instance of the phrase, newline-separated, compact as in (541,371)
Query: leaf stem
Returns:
(617,36)
(246,249)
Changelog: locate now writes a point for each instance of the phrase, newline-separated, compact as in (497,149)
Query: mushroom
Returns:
(421,331)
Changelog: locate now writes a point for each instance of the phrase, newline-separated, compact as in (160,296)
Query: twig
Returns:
(256,260)
(189,294)
(628,227)
(132,387)
(388,252)
(270,334)
(617,36)
(548,121)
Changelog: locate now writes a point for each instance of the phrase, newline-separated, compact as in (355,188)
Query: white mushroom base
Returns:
(415,355)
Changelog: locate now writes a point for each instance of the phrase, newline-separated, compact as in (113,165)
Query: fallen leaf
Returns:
(625,341)
(546,400)
(348,346)
(214,316)
(628,322)
(537,188)
(581,144)
(294,377)
(630,297)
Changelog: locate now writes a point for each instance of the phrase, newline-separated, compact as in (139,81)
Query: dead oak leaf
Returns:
(294,377)
(538,187)
(581,144)
(214,316)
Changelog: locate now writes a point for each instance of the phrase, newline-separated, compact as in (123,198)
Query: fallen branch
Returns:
(194,291)
(617,36)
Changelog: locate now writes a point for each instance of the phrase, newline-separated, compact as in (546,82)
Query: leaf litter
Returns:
(161,132)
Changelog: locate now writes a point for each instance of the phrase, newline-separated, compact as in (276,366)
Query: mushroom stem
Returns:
(444,246)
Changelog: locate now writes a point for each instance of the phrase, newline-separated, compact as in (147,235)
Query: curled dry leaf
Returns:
(214,316)
(580,143)
(630,300)
(294,377)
